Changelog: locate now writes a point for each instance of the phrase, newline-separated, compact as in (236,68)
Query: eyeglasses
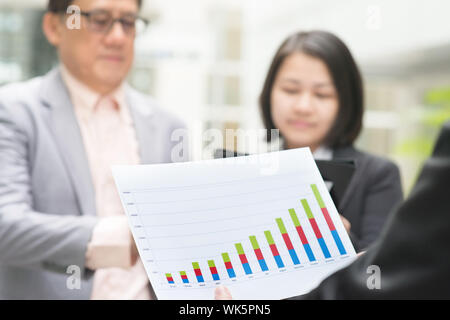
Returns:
(101,21)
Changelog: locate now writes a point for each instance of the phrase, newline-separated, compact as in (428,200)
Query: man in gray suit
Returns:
(63,234)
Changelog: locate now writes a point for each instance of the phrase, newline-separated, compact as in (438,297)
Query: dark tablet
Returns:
(338,172)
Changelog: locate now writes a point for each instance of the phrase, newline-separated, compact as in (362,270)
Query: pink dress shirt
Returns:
(109,139)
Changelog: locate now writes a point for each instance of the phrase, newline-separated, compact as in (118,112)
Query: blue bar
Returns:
(279,262)
(309,252)
(263,265)
(247,268)
(185,280)
(326,253)
(294,256)
(338,241)
(215,276)
(231,273)
(200,279)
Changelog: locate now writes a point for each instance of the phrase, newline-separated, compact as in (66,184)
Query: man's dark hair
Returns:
(344,72)
(58,6)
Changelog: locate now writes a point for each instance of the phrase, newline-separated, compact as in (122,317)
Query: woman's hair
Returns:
(59,6)
(346,78)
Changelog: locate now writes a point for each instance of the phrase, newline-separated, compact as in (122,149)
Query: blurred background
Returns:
(205,61)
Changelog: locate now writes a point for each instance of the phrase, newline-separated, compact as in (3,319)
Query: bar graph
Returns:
(169,278)
(330,223)
(287,241)
(228,265)
(258,253)
(184,277)
(243,258)
(302,236)
(263,266)
(198,272)
(316,229)
(273,248)
(212,267)
(252,232)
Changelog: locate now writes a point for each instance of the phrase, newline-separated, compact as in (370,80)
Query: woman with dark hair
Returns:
(313,94)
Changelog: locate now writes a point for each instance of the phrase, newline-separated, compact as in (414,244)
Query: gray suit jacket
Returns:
(47,199)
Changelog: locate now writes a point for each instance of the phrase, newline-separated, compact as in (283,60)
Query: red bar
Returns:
(328,219)
(302,235)
(184,277)
(228,265)
(198,272)
(315,228)
(169,278)
(213,270)
(288,242)
(259,254)
(274,250)
(243,258)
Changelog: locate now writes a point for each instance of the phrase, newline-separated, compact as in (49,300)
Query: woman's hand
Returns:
(222,293)
(347,224)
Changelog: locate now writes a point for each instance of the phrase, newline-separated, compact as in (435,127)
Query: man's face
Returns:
(99,59)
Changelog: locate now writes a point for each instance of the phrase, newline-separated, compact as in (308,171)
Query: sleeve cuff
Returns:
(110,245)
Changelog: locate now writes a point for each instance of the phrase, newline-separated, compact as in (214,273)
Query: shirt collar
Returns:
(323,153)
(80,94)
(87,99)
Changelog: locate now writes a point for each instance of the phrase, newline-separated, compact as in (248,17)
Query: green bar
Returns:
(254,242)
(294,217)
(182,273)
(317,195)
(281,226)
(308,211)
(269,237)
(226,257)
(211,263)
(168,275)
(195,265)
(239,248)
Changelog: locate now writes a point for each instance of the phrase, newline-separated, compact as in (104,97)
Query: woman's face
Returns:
(304,101)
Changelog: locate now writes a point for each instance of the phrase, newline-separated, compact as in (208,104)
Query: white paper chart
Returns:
(263,225)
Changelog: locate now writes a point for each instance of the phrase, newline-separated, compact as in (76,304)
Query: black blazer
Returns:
(375,189)
(413,252)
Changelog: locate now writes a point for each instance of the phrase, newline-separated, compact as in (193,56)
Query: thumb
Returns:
(222,293)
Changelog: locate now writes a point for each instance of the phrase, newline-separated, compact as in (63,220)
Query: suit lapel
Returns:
(145,127)
(67,136)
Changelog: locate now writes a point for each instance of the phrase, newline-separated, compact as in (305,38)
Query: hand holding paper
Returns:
(264,234)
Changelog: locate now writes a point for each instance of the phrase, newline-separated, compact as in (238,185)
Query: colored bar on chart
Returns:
(258,253)
(184,277)
(273,248)
(198,272)
(212,267)
(315,227)
(228,265)
(243,258)
(169,278)
(330,223)
(287,241)
(302,236)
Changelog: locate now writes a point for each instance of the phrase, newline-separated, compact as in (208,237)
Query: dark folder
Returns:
(338,172)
